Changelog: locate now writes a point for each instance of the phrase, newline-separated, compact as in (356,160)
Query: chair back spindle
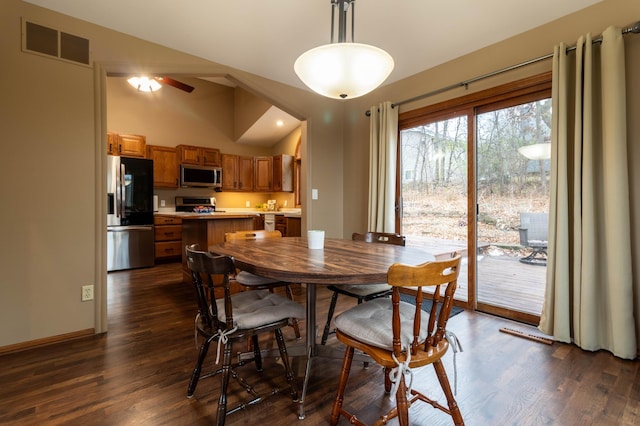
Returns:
(430,274)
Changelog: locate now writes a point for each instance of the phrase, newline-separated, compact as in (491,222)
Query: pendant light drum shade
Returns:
(344,70)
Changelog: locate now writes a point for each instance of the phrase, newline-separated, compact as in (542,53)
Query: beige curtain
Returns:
(589,293)
(383,148)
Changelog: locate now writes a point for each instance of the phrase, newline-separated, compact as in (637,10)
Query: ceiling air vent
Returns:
(53,43)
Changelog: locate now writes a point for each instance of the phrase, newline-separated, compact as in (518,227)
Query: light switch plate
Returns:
(314,194)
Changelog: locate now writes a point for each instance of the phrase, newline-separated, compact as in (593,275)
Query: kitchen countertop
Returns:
(228,213)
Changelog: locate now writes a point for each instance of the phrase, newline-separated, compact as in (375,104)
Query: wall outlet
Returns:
(87,293)
(248,203)
(163,203)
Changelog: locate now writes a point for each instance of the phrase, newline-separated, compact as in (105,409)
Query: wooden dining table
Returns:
(339,262)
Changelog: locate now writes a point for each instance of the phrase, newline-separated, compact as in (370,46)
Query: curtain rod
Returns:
(633,28)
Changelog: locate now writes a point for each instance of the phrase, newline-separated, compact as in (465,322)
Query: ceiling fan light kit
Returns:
(144,84)
(151,84)
(343,70)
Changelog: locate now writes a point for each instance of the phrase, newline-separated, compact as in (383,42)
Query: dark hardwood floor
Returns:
(137,373)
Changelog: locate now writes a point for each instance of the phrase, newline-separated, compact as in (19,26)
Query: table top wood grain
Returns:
(340,262)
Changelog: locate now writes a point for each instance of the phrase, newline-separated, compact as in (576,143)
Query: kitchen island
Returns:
(206,229)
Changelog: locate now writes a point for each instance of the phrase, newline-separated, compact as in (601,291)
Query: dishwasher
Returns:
(269,222)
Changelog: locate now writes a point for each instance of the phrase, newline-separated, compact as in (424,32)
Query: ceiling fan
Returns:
(174,83)
(151,84)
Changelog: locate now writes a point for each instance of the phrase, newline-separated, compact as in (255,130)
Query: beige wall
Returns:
(52,227)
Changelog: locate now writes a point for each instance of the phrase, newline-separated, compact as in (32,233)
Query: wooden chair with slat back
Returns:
(252,281)
(231,318)
(390,328)
(362,292)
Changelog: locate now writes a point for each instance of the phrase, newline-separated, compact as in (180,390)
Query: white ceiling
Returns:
(266,37)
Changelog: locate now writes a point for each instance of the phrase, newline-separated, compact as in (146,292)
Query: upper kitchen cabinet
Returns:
(198,155)
(237,173)
(126,145)
(283,173)
(165,166)
(263,167)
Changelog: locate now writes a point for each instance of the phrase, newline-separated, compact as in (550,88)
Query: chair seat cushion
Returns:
(248,279)
(259,307)
(371,323)
(361,290)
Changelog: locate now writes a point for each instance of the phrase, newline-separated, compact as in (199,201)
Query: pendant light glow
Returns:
(343,70)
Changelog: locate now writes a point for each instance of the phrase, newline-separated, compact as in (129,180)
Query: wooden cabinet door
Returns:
(245,173)
(165,166)
(210,157)
(112,143)
(258,223)
(132,146)
(294,227)
(189,154)
(263,177)
(281,225)
(283,173)
(229,172)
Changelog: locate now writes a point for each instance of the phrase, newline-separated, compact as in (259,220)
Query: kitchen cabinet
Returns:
(283,173)
(289,226)
(258,223)
(263,170)
(294,227)
(112,143)
(237,173)
(198,155)
(126,145)
(281,225)
(167,237)
(165,166)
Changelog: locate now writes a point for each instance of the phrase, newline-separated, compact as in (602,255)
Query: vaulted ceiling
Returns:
(266,37)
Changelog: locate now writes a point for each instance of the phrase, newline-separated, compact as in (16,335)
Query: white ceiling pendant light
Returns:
(144,84)
(343,70)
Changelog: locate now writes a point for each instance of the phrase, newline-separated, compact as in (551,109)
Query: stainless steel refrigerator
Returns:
(130,213)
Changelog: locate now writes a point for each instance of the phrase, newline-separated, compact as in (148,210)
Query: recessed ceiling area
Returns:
(270,128)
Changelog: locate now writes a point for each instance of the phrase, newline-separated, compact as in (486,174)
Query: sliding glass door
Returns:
(433,185)
(473,177)
(512,187)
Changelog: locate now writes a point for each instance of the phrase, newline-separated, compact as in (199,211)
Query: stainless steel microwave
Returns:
(200,176)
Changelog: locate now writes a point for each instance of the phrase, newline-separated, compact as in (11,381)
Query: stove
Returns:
(196,204)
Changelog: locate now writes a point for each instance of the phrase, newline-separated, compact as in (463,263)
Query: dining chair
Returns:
(233,317)
(252,281)
(361,292)
(393,334)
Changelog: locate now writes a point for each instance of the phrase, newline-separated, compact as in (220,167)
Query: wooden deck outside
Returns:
(503,281)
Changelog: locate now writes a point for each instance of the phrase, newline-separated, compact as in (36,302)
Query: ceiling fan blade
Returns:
(175,83)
